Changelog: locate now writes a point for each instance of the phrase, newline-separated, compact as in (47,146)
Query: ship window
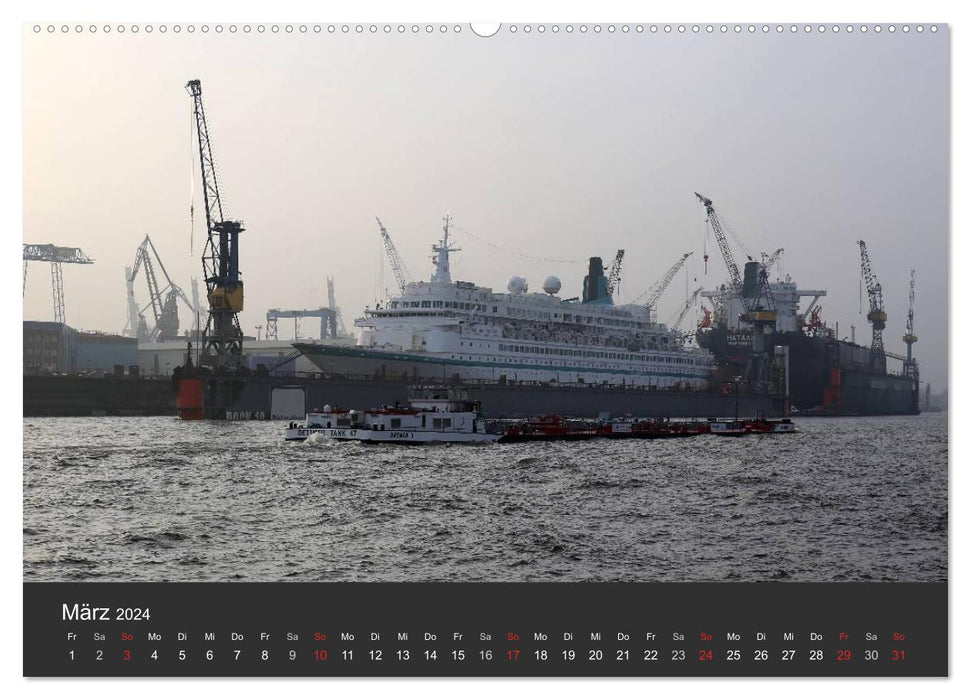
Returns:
(395,423)
(446,422)
(436,422)
(426,304)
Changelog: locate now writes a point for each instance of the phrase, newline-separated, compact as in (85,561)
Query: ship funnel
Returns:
(750,283)
(595,290)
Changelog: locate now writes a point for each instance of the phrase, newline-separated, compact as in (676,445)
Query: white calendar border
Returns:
(926,11)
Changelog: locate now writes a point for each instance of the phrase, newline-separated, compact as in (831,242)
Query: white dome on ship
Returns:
(552,284)
(517,285)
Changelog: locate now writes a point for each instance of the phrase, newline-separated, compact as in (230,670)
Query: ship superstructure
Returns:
(446,330)
(786,295)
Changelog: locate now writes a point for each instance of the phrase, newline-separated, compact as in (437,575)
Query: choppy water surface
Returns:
(154,499)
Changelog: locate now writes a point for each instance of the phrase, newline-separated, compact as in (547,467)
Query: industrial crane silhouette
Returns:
(678,319)
(657,289)
(56,256)
(773,259)
(223,342)
(613,273)
(401,275)
(163,301)
(910,336)
(753,291)
(877,315)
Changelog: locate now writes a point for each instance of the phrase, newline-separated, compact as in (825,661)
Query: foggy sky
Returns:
(556,146)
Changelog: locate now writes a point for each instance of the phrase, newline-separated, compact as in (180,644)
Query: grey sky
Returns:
(558,146)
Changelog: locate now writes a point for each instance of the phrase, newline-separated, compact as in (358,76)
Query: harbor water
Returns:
(156,499)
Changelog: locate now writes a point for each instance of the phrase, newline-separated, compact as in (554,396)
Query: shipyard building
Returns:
(51,347)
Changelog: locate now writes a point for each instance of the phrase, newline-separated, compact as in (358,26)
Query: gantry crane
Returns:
(755,296)
(163,301)
(613,273)
(223,342)
(328,321)
(56,255)
(877,315)
(657,289)
(910,336)
(401,275)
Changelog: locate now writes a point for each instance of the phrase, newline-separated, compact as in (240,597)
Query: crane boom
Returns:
(676,324)
(223,345)
(750,291)
(401,275)
(755,287)
(719,231)
(657,289)
(613,273)
(773,259)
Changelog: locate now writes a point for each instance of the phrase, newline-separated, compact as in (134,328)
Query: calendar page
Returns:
(520,349)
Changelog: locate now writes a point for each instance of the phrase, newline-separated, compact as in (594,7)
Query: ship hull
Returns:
(514,398)
(417,367)
(394,437)
(825,376)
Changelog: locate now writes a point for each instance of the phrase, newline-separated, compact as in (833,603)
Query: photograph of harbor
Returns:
(560,303)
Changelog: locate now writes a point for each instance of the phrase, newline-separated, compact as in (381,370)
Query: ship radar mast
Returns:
(440,259)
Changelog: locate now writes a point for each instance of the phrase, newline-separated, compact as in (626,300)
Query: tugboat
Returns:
(434,414)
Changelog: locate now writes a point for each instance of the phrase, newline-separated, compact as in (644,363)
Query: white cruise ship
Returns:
(445,330)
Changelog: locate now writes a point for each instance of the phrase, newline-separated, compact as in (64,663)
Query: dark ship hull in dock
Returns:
(826,375)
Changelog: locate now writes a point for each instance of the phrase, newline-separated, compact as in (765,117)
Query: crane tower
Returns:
(910,337)
(911,369)
(223,338)
(877,315)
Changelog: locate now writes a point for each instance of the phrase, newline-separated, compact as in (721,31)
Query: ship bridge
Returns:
(785,295)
